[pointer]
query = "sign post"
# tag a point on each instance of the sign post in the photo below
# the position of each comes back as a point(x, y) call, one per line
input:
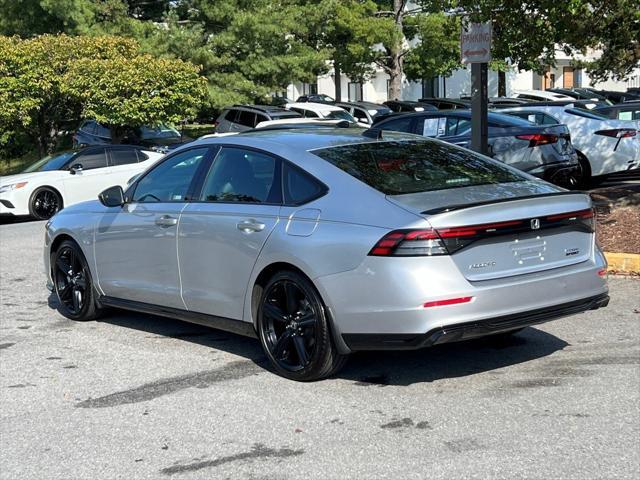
point(475, 48)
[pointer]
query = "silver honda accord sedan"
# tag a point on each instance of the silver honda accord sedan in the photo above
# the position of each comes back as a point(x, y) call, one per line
point(324, 241)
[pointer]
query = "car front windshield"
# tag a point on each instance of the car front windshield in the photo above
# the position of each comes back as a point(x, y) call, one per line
point(159, 131)
point(50, 162)
point(338, 115)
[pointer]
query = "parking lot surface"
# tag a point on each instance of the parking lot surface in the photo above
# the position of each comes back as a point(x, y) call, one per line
point(136, 396)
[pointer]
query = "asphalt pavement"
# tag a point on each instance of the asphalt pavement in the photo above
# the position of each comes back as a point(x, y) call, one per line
point(135, 396)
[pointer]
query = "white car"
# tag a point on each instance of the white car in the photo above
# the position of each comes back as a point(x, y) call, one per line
point(603, 145)
point(322, 111)
point(65, 178)
point(540, 95)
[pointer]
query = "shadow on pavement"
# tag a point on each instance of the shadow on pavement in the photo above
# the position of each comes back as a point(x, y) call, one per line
point(366, 368)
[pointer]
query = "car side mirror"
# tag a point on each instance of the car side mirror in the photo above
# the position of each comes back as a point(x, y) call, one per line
point(75, 168)
point(112, 197)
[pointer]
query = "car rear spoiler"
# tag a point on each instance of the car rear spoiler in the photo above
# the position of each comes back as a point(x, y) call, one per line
point(461, 206)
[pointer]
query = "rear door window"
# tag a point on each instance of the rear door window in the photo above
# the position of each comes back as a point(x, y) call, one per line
point(248, 119)
point(404, 124)
point(92, 159)
point(403, 167)
point(122, 156)
point(245, 176)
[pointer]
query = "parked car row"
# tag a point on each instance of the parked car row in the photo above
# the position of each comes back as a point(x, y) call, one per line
point(573, 138)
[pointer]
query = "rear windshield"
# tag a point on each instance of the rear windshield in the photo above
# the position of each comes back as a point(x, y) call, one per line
point(400, 167)
point(504, 120)
point(284, 114)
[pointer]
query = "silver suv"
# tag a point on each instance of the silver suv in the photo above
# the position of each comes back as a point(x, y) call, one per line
point(240, 118)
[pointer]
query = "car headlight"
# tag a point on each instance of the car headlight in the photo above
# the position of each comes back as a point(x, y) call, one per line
point(11, 186)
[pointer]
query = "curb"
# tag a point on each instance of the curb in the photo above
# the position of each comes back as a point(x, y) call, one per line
point(623, 262)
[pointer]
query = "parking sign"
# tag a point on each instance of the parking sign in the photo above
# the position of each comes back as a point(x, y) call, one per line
point(475, 43)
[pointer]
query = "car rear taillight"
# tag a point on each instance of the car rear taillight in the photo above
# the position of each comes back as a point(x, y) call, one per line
point(618, 132)
point(446, 241)
point(537, 139)
point(409, 243)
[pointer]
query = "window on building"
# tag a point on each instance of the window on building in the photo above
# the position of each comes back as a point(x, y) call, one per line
point(309, 88)
point(355, 91)
point(430, 87)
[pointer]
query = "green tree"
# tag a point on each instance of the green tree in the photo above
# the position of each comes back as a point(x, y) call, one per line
point(49, 82)
point(529, 32)
point(348, 31)
point(437, 48)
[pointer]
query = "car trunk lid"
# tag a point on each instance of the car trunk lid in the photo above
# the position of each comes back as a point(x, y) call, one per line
point(521, 232)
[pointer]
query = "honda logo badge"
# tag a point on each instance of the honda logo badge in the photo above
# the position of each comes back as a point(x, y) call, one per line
point(535, 223)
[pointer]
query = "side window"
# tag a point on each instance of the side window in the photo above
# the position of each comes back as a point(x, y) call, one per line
point(92, 159)
point(261, 118)
point(432, 126)
point(122, 156)
point(399, 125)
point(239, 175)
point(232, 115)
point(299, 187)
point(248, 119)
point(451, 127)
point(310, 114)
point(360, 115)
point(142, 156)
point(547, 120)
point(88, 127)
point(170, 180)
point(102, 131)
point(464, 127)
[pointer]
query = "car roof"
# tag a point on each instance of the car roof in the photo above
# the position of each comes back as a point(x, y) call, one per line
point(305, 138)
point(261, 108)
point(368, 105)
point(314, 107)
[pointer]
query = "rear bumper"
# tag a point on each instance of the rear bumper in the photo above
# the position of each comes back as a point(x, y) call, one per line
point(474, 329)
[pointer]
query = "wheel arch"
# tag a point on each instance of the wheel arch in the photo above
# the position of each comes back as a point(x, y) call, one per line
point(261, 280)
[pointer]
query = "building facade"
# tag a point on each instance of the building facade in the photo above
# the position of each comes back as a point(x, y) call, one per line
point(563, 75)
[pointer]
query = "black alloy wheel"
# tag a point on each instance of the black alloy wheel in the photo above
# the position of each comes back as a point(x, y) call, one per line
point(294, 330)
point(72, 283)
point(45, 203)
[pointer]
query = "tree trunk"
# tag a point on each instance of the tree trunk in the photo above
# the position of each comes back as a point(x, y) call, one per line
point(338, 80)
point(502, 84)
point(394, 61)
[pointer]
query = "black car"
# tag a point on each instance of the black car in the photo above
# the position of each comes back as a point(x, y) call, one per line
point(447, 103)
point(541, 150)
point(160, 137)
point(579, 93)
point(616, 97)
point(316, 98)
point(365, 112)
point(409, 106)
point(621, 111)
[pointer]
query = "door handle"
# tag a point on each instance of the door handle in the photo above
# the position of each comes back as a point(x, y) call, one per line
point(166, 221)
point(250, 225)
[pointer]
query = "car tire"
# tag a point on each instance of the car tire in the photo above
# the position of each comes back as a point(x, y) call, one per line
point(44, 203)
point(72, 283)
point(294, 329)
point(585, 175)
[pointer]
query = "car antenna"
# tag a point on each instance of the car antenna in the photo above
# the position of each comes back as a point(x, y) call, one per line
point(373, 133)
